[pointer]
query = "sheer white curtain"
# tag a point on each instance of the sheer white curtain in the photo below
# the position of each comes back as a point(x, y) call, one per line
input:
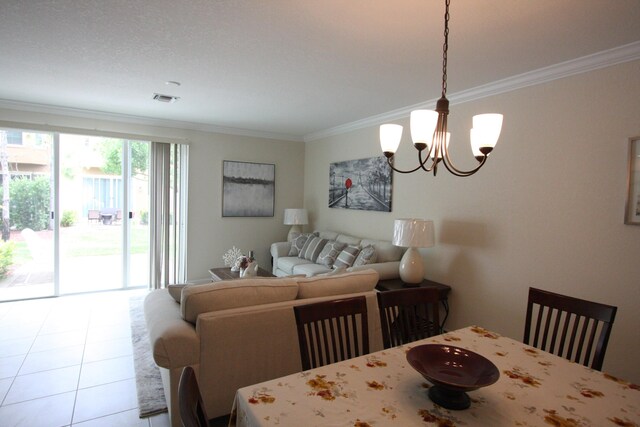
point(168, 215)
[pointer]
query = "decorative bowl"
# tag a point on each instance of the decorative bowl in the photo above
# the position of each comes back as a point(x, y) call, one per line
point(453, 371)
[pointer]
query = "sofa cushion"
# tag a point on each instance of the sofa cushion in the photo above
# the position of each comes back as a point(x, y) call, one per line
point(312, 248)
point(349, 240)
point(330, 252)
point(339, 284)
point(287, 264)
point(385, 250)
point(326, 234)
point(228, 294)
point(347, 256)
point(366, 256)
point(298, 243)
point(310, 269)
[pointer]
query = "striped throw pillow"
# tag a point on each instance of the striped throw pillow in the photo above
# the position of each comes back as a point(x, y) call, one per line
point(346, 257)
point(312, 248)
point(366, 256)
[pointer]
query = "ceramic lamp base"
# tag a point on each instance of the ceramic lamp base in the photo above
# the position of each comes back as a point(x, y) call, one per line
point(295, 229)
point(412, 267)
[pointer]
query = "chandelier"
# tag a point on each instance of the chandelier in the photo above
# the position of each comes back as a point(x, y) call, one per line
point(429, 130)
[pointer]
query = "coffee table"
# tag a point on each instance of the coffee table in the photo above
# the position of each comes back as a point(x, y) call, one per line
point(225, 273)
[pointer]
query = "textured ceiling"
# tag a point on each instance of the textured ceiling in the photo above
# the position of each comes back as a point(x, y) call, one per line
point(285, 67)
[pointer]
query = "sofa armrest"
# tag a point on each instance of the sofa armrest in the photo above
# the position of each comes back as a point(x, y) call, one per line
point(279, 249)
point(174, 341)
point(386, 270)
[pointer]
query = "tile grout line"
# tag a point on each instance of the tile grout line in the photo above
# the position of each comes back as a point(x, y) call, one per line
point(13, 380)
point(84, 349)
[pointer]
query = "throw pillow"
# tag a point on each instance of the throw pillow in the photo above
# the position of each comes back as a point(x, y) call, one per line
point(298, 243)
point(312, 248)
point(346, 257)
point(330, 252)
point(366, 256)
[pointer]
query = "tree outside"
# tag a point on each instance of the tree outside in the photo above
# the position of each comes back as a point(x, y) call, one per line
point(90, 178)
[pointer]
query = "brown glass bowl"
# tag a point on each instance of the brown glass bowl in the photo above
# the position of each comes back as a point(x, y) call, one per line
point(453, 371)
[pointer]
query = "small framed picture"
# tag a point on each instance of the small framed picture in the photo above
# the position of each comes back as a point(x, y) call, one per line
point(248, 189)
point(632, 212)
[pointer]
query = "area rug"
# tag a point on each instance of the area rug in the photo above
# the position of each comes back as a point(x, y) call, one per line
point(151, 399)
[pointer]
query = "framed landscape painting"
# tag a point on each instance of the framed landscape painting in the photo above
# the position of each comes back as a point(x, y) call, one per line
point(248, 189)
point(632, 209)
point(363, 184)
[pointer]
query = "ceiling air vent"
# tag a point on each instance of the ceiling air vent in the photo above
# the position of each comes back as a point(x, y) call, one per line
point(165, 98)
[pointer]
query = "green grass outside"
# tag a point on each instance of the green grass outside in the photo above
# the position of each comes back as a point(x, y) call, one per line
point(90, 241)
point(108, 241)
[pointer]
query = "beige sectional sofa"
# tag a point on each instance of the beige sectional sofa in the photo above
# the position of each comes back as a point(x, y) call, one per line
point(288, 262)
point(241, 332)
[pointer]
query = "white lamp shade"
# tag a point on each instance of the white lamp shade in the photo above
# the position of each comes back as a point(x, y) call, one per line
point(475, 143)
point(423, 124)
point(487, 128)
point(296, 217)
point(413, 233)
point(390, 135)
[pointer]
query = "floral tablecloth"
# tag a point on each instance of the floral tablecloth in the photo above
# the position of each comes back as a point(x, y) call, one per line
point(381, 389)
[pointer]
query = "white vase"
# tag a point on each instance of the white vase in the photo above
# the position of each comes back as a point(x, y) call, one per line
point(251, 270)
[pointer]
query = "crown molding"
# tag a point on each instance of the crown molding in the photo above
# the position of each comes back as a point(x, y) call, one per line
point(139, 120)
point(607, 58)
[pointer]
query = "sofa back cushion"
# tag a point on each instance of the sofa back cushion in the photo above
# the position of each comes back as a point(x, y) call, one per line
point(339, 284)
point(385, 251)
point(349, 240)
point(228, 294)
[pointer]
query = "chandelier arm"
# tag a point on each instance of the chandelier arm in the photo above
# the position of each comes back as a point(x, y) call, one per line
point(424, 162)
point(458, 172)
point(390, 163)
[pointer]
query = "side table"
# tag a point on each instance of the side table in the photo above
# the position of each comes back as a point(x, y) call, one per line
point(443, 291)
point(225, 273)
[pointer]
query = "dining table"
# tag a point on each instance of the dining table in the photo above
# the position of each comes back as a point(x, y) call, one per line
point(534, 388)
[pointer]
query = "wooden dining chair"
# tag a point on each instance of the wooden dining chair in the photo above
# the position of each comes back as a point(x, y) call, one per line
point(408, 315)
point(332, 331)
point(192, 412)
point(569, 327)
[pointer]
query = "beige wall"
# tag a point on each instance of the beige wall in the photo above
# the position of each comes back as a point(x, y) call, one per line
point(546, 210)
point(209, 234)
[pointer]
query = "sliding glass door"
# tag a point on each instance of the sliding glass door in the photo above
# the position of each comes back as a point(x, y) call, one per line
point(79, 214)
point(27, 245)
point(104, 185)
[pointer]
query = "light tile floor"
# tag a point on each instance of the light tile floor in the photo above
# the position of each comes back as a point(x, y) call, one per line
point(68, 361)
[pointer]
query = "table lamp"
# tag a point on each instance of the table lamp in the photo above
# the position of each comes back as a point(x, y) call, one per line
point(295, 218)
point(413, 233)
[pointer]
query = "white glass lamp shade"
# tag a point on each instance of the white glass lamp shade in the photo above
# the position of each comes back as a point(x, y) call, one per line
point(487, 128)
point(295, 218)
point(475, 144)
point(423, 124)
point(412, 233)
point(390, 135)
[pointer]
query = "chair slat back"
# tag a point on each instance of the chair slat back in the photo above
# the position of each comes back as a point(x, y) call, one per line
point(569, 327)
point(408, 315)
point(332, 331)
point(192, 412)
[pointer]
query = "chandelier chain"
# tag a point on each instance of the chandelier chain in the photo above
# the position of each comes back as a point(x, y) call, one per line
point(445, 48)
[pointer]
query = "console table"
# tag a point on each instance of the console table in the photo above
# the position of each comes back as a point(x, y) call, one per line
point(443, 291)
